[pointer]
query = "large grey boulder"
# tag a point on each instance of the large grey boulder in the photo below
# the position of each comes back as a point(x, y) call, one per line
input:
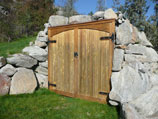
point(136, 58)
point(138, 49)
point(2, 61)
point(8, 70)
point(36, 52)
point(42, 70)
point(21, 60)
point(140, 37)
point(42, 80)
point(118, 59)
point(80, 19)
point(147, 104)
point(56, 20)
point(110, 14)
point(131, 112)
point(4, 84)
point(98, 15)
point(143, 39)
point(127, 85)
point(23, 81)
point(124, 33)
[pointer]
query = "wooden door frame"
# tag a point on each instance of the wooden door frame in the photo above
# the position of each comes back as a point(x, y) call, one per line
point(109, 27)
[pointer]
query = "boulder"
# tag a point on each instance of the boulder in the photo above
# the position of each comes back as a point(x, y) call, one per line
point(42, 39)
point(46, 48)
point(140, 37)
point(40, 44)
point(41, 34)
point(118, 59)
point(147, 104)
point(4, 84)
point(44, 64)
point(138, 49)
point(110, 14)
point(42, 80)
point(2, 61)
point(143, 39)
point(8, 70)
point(23, 81)
point(80, 19)
point(56, 20)
point(124, 33)
point(46, 25)
point(131, 112)
point(136, 58)
point(36, 52)
point(98, 15)
point(127, 85)
point(42, 70)
point(21, 60)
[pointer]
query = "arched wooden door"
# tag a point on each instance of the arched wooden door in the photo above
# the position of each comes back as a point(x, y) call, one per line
point(80, 59)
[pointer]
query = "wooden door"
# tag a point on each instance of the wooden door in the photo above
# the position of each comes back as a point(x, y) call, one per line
point(80, 63)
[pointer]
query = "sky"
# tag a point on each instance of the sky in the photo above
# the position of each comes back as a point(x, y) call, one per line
point(86, 6)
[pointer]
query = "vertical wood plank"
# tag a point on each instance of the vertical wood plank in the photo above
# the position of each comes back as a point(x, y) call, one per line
point(76, 61)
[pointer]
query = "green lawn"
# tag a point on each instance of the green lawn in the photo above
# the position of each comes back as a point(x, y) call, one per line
point(15, 46)
point(44, 104)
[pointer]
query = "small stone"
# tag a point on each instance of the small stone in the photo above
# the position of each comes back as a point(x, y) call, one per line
point(98, 15)
point(4, 84)
point(42, 70)
point(110, 14)
point(56, 20)
point(118, 59)
point(42, 80)
point(8, 70)
point(2, 61)
point(40, 44)
point(44, 64)
point(42, 39)
point(80, 19)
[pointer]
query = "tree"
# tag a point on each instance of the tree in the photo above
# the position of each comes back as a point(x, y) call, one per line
point(69, 8)
point(90, 13)
point(135, 10)
point(101, 5)
point(117, 6)
point(25, 17)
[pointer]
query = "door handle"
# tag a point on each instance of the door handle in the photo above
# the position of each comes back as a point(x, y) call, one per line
point(75, 54)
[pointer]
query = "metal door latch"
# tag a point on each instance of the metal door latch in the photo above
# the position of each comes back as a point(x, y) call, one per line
point(51, 84)
point(52, 41)
point(112, 37)
point(75, 54)
point(103, 93)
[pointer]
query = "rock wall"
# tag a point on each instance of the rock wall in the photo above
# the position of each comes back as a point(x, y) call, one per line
point(135, 69)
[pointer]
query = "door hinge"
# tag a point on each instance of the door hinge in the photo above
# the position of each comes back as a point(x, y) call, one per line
point(51, 84)
point(103, 93)
point(112, 37)
point(52, 41)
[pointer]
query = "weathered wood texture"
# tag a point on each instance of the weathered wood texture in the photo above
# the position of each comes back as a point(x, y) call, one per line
point(88, 73)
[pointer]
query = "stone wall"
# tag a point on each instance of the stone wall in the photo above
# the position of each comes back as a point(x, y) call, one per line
point(135, 70)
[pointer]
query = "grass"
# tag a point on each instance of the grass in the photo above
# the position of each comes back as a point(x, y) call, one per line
point(8, 48)
point(44, 104)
